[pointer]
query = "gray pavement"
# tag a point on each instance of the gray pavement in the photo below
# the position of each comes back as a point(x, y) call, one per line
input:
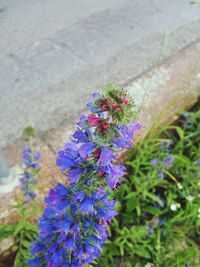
point(54, 53)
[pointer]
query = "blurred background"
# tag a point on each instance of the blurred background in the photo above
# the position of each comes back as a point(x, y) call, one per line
point(54, 53)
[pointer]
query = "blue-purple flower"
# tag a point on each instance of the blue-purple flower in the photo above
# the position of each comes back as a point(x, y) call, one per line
point(106, 156)
point(114, 172)
point(126, 135)
point(168, 162)
point(154, 162)
point(73, 227)
point(69, 157)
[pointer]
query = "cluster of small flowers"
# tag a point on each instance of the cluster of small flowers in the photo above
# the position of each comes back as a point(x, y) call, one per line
point(156, 223)
point(73, 226)
point(31, 167)
point(187, 120)
point(166, 162)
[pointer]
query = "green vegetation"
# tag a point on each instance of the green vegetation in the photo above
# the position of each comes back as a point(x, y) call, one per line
point(23, 233)
point(159, 202)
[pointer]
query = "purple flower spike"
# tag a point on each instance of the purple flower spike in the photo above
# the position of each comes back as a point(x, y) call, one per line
point(73, 228)
point(31, 167)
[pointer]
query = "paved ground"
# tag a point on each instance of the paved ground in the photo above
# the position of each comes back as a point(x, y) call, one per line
point(54, 53)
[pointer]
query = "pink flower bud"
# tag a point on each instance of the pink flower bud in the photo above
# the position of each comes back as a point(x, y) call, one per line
point(114, 105)
point(93, 120)
point(104, 107)
point(105, 125)
point(126, 100)
point(96, 153)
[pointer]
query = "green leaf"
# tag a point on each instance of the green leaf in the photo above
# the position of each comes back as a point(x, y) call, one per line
point(128, 218)
point(153, 197)
point(19, 227)
point(31, 227)
point(121, 248)
point(111, 248)
point(171, 176)
point(25, 244)
point(139, 264)
point(142, 252)
point(6, 230)
point(132, 201)
point(179, 131)
point(138, 232)
point(153, 210)
point(182, 158)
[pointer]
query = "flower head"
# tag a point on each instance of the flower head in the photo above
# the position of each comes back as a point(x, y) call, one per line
point(93, 120)
point(168, 162)
point(154, 162)
point(87, 206)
